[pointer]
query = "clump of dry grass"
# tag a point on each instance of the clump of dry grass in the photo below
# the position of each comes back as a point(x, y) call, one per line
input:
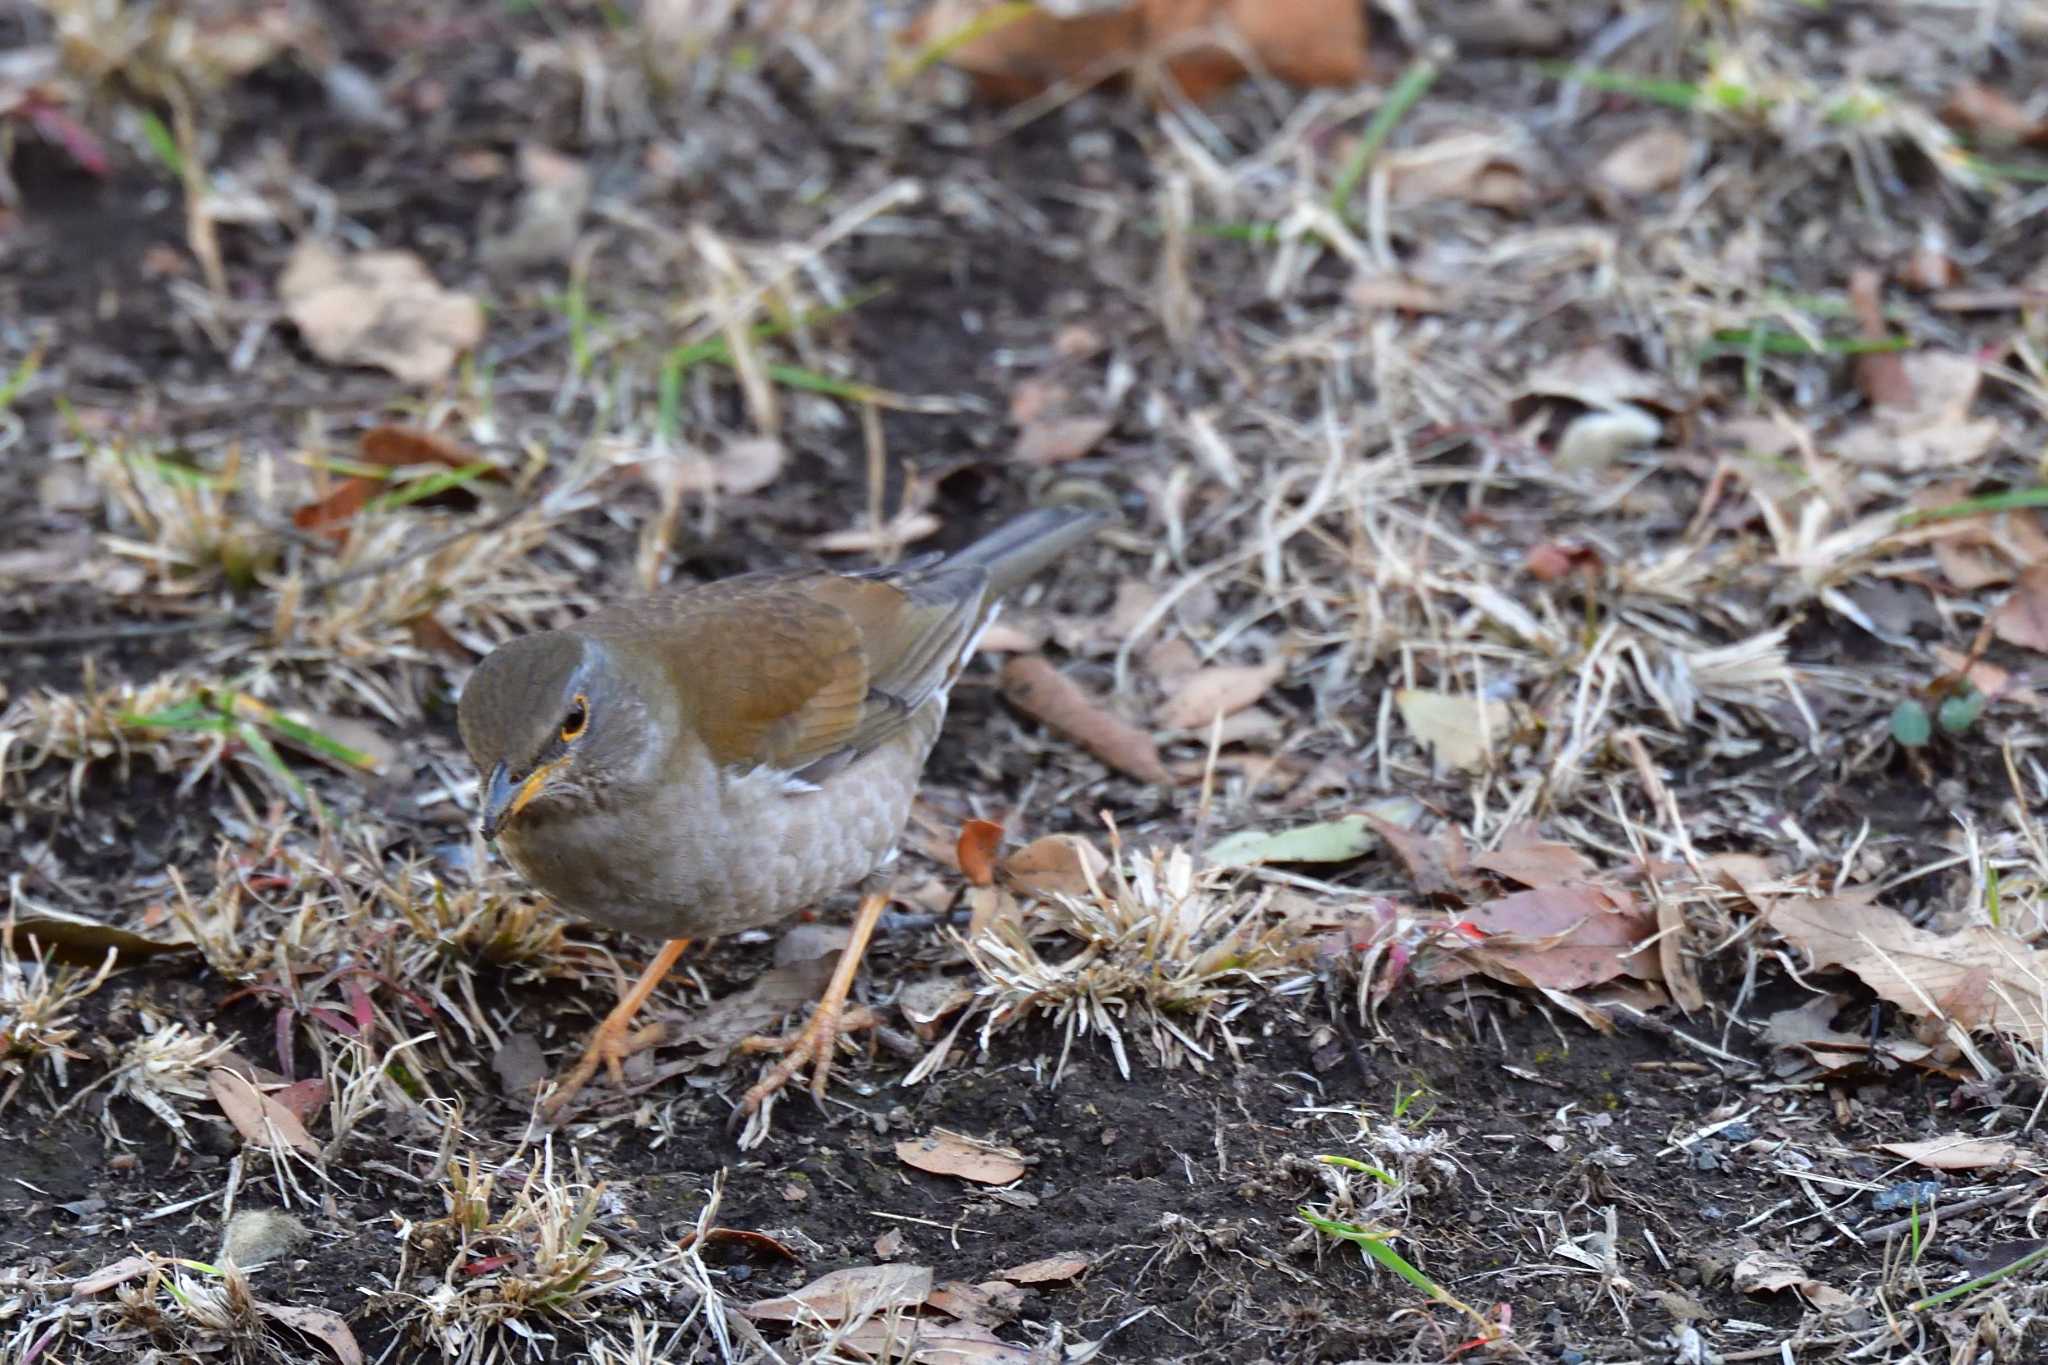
point(516, 1257)
point(1166, 948)
point(39, 1003)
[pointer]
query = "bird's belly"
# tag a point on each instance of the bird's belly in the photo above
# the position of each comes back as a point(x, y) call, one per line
point(699, 868)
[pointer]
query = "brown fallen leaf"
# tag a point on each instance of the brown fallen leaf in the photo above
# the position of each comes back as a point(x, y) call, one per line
point(976, 850)
point(1436, 867)
point(1764, 1272)
point(965, 1158)
point(1034, 686)
point(1219, 690)
point(1047, 1269)
point(1650, 162)
point(1960, 1152)
point(1568, 937)
point(1992, 116)
point(2022, 618)
point(1880, 374)
point(746, 1237)
point(106, 1277)
point(1988, 548)
point(1196, 46)
point(931, 1343)
point(988, 1304)
point(330, 1329)
point(378, 308)
point(1396, 293)
point(1460, 729)
point(1473, 166)
point(1055, 865)
point(387, 447)
point(1536, 862)
point(1982, 978)
point(719, 1027)
point(843, 1294)
point(1932, 429)
point(261, 1120)
point(550, 212)
point(1056, 440)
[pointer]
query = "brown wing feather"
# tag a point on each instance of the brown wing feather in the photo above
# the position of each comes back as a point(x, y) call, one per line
point(767, 674)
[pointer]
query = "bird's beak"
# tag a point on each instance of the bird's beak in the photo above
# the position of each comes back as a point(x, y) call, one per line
point(504, 799)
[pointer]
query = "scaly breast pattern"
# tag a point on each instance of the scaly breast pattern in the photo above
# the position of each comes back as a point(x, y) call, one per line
point(724, 853)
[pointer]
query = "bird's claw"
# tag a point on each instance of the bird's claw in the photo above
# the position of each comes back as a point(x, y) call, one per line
point(815, 1044)
point(610, 1045)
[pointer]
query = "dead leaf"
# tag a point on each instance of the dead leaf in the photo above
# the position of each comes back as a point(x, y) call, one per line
point(988, 1304)
point(1331, 841)
point(1396, 293)
point(719, 1027)
point(1554, 559)
point(749, 465)
point(1988, 548)
point(1219, 690)
point(1991, 116)
point(1565, 938)
point(946, 1153)
point(1652, 161)
point(1982, 978)
point(1047, 1270)
point(1536, 862)
point(843, 1294)
point(106, 1277)
point(1055, 865)
point(1958, 1153)
point(1056, 440)
point(78, 940)
point(1880, 374)
point(1436, 867)
point(2022, 618)
point(979, 842)
point(746, 1237)
point(931, 1343)
point(889, 1245)
point(1459, 728)
point(1597, 376)
point(1034, 686)
point(378, 308)
point(905, 528)
point(1763, 1272)
point(1472, 166)
point(261, 1120)
point(550, 212)
point(329, 1329)
point(1198, 43)
point(1933, 428)
point(387, 447)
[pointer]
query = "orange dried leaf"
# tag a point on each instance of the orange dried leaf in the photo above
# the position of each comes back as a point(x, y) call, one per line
point(964, 1158)
point(1219, 690)
point(1056, 865)
point(1034, 686)
point(976, 850)
point(261, 1120)
point(1047, 1270)
point(2022, 618)
point(841, 1294)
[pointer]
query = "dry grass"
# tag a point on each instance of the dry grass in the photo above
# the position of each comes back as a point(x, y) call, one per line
point(1374, 494)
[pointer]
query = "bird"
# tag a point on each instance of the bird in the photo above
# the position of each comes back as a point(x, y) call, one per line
point(721, 756)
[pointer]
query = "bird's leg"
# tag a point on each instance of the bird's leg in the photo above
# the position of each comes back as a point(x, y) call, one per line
point(615, 1039)
point(814, 1043)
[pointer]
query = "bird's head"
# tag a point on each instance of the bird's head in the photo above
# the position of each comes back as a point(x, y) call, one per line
point(551, 723)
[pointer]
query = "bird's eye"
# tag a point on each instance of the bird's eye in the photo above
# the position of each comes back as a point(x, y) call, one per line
point(577, 721)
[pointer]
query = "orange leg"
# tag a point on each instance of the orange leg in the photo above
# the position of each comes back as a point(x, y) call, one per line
point(816, 1041)
point(615, 1039)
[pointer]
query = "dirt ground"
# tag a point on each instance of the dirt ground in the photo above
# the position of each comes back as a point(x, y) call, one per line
point(803, 310)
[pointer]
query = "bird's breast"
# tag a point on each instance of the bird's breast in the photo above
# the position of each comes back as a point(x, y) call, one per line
point(715, 853)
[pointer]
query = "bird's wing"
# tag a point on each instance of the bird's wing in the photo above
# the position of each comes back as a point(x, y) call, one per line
point(799, 672)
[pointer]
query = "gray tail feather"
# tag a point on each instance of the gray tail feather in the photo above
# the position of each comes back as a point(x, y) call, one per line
point(1021, 547)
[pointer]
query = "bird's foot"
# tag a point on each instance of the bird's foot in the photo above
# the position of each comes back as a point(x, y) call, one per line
point(613, 1041)
point(815, 1045)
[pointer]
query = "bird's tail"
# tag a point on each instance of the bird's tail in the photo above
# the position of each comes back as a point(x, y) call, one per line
point(1021, 547)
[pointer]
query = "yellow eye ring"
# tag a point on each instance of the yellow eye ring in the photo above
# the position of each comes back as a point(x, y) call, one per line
point(577, 721)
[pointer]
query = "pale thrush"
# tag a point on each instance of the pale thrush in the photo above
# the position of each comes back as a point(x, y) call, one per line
point(719, 757)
